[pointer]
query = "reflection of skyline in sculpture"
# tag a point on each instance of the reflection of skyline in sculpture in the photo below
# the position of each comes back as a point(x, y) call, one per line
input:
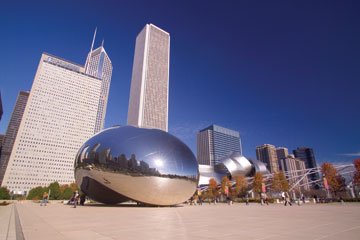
point(233, 165)
point(145, 165)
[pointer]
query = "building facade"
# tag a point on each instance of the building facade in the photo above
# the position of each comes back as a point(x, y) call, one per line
point(149, 91)
point(98, 64)
point(12, 130)
point(282, 152)
point(266, 153)
point(215, 143)
point(295, 170)
point(61, 113)
point(307, 155)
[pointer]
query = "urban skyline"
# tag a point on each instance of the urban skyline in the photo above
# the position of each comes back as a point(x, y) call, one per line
point(296, 59)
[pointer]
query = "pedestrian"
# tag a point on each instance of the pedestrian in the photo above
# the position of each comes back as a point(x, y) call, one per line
point(82, 199)
point(266, 199)
point(247, 198)
point(262, 198)
point(76, 198)
point(287, 199)
point(200, 197)
point(44, 199)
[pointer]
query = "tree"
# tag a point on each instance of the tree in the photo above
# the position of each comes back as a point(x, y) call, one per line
point(225, 184)
point(212, 190)
point(276, 183)
point(258, 180)
point(55, 192)
point(36, 193)
point(283, 181)
point(240, 185)
point(357, 172)
point(331, 175)
point(67, 193)
point(4, 193)
point(74, 187)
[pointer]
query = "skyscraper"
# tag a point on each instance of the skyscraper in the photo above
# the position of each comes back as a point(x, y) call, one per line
point(215, 143)
point(282, 152)
point(98, 64)
point(307, 155)
point(61, 113)
point(296, 170)
point(266, 153)
point(12, 131)
point(149, 92)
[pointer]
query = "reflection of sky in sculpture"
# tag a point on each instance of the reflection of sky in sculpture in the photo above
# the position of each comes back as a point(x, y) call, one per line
point(151, 151)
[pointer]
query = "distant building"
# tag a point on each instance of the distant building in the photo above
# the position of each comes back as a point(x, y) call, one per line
point(215, 143)
point(282, 152)
point(63, 110)
point(12, 131)
point(266, 153)
point(307, 155)
point(149, 92)
point(295, 169)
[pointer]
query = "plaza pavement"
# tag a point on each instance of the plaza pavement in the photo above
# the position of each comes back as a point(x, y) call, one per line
point(238, 221)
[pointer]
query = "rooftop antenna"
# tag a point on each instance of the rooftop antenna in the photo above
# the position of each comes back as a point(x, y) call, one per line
point(93, 41)
point(102, 43)
point(91, 49)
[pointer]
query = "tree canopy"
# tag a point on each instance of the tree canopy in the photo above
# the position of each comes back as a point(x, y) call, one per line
point(4, 193)
point(258, 180)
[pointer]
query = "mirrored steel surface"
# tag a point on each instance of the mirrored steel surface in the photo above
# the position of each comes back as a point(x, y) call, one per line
point(145, 165)
point(232, 166)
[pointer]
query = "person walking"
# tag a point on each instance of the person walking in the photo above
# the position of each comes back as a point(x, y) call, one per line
point(200, 197)
point(287, 199)
point(44, 199)
point(266, 200)
point(76, 198)
point(247, 198)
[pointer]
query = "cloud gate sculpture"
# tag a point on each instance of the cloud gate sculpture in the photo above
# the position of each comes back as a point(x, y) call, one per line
point(128, 163)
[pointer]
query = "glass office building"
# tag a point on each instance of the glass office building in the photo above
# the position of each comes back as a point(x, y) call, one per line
point(216, 142)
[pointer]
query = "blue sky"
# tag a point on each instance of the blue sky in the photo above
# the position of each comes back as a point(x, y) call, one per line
point(280, 72)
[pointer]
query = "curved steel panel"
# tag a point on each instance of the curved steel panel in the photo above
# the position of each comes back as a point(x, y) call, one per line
point(146, 165)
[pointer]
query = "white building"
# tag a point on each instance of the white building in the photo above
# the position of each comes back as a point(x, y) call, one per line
point(61, 113)
point(149, 93)
point(98, 64)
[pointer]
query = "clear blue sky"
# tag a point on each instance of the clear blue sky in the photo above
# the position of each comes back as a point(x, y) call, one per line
point(280, 72)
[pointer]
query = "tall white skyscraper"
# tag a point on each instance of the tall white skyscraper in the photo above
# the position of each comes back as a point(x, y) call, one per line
point(62, 112)
point(149, 93)
point(98, 64)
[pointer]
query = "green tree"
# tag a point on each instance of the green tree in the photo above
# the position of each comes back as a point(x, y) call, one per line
point(36, 193)
point(4, 193)
point(258, 180)
point(67, 193)
point(55, 192)
point(240, 185)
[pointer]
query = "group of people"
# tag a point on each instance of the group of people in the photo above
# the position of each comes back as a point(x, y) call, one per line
point(74, 200)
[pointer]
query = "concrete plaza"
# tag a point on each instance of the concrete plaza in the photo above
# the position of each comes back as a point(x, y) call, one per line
point(238, 221)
